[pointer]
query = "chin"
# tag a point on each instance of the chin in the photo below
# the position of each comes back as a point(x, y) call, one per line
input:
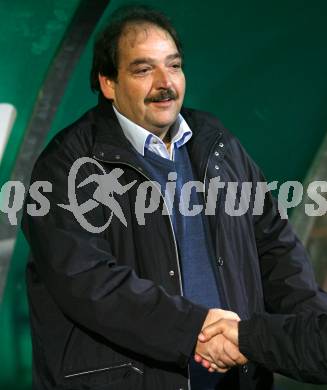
point(166, 120)
point(163, 125)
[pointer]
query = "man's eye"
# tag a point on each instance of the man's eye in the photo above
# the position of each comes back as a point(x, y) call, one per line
point(142, 71)
point(177, 66)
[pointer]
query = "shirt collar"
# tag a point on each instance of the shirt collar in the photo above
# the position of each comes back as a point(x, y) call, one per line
point(141, 138)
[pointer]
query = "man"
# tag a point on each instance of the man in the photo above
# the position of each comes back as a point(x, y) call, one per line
point(122, 306)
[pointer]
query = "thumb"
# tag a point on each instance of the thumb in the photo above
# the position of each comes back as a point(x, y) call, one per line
point(229, 315)
point(211, 330)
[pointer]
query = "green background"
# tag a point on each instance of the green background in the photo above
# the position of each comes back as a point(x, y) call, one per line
point(259, 66)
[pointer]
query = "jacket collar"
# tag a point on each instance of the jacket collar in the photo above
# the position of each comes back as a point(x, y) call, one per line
point(111, 145)
point(207, 130)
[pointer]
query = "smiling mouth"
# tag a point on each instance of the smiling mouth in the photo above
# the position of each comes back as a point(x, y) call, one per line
point(163, 101)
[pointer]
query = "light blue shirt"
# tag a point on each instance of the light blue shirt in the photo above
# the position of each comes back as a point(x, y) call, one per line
point(141, 138)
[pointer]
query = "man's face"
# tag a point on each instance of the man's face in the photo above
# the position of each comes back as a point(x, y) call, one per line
point(151, 84)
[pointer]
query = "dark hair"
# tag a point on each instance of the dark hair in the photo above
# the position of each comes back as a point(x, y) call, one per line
point(105, 52)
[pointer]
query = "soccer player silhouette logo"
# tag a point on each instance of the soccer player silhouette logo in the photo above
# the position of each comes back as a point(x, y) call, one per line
point(107, 186)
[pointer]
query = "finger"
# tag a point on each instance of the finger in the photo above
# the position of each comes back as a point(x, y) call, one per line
point(197, 358)
point(208, 362)
point(241, 360)
point(231, 350)
point(205, 363)
point(229, 315)
point(221, 364)
point(213, 368)
point(222, 371)
point(217, 352)
point(231, 331)
point(211, 330)
point(220, 367)
point(226, 361)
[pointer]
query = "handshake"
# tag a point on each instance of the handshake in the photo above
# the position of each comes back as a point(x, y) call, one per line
point(217, 344)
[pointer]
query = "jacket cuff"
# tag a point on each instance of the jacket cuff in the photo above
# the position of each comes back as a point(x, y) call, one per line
point(189, 332)
point(244, 329)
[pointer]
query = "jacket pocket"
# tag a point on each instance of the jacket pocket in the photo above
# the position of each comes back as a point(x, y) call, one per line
point(125, 375)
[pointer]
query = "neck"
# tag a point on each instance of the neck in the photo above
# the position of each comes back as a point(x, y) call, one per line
point(167, 139)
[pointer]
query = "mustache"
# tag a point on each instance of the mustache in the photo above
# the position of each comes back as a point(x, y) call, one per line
point(162, 95)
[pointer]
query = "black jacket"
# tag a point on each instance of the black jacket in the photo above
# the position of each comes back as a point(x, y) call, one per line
point(107, 310)
point(294, 345)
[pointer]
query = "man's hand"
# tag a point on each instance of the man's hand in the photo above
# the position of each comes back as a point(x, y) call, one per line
point(217, 346)
point(227, 327)
point(209, 352)
point(218, 354)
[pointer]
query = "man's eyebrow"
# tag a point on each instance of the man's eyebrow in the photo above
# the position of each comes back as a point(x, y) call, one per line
point(149, 60)
point(174, 56)
point(143, 60)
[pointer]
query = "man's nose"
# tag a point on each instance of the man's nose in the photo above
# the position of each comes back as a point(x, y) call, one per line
point(162, 79)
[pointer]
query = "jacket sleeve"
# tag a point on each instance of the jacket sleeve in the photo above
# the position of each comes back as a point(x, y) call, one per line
point(287, 276)
point(292, 345)
point(90, 288)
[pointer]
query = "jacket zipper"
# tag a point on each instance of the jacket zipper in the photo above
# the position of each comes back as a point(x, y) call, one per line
point(209, 154)
point(130, 364)
point(221, 279)
point(219, 275)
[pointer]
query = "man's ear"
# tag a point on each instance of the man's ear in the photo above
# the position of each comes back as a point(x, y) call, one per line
point(107, 87)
